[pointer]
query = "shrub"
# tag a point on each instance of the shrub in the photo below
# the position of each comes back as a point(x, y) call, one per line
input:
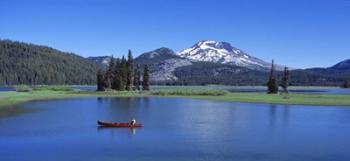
point(189, 92)
point(23, 88)
point(53, 88)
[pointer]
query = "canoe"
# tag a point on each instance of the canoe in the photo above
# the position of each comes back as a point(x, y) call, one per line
point(115, 124)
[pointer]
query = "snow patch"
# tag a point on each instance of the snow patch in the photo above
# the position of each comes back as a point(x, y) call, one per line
point(221, 52)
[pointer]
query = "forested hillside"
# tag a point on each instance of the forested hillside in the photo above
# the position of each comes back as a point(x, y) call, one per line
point(203, 73)
point(22, 63)
point(168, 68)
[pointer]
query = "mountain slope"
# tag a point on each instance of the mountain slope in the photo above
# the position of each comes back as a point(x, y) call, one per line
point(22, 63)
point(203, 73)
point(341, 66)
point(166, 67)
point(337, 73)
point(156, 56)
point(224, 53)
point(101, 61)
point(162, 63)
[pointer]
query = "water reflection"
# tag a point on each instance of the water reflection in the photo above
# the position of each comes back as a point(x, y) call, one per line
point(274, 116)
point(116, 134)
point(123, 109)
point(286, 115)
point(16, 111)
point(175, 129)
point(112, 130)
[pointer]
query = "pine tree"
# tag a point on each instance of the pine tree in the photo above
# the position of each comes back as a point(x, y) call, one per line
point(346, 84)
point(130, 70)
point(116, 78)
point(123, 72)
point(145, 79)
point(110, 72)
point(285, 80)
point(105, 81)
point(118, 83)
point(137, 78)
point(272, 86)
point(139, 82)
point(100, 84)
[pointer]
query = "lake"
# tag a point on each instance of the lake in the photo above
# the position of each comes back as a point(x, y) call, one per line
point(175, 129)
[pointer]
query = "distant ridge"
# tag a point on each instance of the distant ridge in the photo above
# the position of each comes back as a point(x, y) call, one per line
point(344, 65)
point(211, 62)
point(24, 63)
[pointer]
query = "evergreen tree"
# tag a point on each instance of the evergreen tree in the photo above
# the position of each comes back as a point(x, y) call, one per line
point(272, 86)
point(110, 72)
point(116, 78)
point(285, 80)
point(118, 82)
point(123, 72)
point(105, 81)
point(100, 83)
point(346, 84)
point(145, 79)
point(137, 78)
point(130, 70)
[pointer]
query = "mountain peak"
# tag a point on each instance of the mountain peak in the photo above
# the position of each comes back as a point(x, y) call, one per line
point(164, 50)
point(159, 53)
point(214, 44)
point(222, 52)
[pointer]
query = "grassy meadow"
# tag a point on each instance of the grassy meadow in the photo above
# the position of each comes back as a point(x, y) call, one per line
point(25, 94)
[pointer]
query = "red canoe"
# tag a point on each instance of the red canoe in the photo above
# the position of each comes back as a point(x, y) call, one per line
point(115, 124)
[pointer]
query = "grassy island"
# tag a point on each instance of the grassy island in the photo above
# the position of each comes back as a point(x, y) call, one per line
point(11, 98)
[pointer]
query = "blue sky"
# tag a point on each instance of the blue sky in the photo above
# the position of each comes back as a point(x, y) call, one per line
point(297, 33)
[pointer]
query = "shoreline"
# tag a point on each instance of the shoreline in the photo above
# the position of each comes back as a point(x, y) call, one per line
point(12, 98)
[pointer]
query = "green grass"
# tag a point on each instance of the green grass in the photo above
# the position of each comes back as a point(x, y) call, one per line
point(188, 92)
point(295, 99)
point(53, 88)
point(11, 98)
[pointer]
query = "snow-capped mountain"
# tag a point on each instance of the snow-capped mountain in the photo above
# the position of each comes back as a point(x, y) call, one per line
point(224, 53)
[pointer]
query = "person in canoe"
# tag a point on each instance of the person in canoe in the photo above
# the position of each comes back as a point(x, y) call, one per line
point(133, 122)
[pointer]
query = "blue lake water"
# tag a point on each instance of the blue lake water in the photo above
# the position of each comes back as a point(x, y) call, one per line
point(7, 89)
point(175, 129)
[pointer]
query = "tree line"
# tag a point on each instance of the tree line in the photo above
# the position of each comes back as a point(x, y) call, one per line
point(123, 74)
point(272, 84)
point(203, 73)
point(23, 63)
